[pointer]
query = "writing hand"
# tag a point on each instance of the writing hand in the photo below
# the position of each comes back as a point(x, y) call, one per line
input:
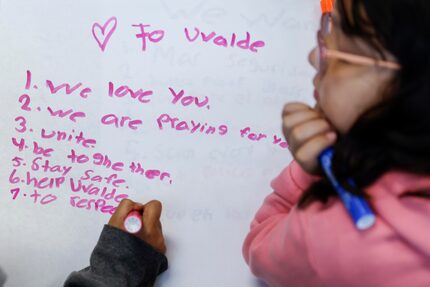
point(151, 231)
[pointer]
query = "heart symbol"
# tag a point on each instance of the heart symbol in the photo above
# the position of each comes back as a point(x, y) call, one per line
point(106, 33)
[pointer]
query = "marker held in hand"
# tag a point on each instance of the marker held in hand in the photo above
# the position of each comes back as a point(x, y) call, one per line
point(133, 222)
point(357, 206)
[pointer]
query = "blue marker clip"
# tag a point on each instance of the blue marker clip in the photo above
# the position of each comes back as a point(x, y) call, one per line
point(357, 206)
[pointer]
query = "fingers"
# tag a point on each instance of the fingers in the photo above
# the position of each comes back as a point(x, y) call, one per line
point(303, 132)
point(121, 212)
point(308, 133)
point(152, 212)
point(294, 119)
point(125, 207)
point(294, 107)
point(152, 231)
point(309, 151)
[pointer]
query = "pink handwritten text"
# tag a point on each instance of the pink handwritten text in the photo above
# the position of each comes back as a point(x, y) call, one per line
point(222, 41)
point(191, 126)
point(188, 100)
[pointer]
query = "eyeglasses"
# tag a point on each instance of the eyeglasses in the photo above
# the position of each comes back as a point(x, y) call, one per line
point(324, 53)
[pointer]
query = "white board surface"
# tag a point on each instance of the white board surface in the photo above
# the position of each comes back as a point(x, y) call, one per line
point(210, 176)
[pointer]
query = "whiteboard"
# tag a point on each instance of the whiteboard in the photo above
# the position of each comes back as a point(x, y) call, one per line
point(172, 100)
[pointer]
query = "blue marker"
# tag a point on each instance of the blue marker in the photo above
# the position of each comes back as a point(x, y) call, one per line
point(357, 206)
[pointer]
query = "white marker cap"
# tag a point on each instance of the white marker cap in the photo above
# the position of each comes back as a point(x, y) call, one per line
point(133, 222)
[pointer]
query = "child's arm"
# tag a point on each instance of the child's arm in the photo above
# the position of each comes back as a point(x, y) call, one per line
point(123, 259)
point(288, 187)
point(120, 259)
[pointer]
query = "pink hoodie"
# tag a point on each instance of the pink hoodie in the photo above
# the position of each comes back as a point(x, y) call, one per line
point(319, 245)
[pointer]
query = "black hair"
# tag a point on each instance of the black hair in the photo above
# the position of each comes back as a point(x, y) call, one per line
point(395, 134)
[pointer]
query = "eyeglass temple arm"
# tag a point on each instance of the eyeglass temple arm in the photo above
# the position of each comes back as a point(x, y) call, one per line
point(361, 60)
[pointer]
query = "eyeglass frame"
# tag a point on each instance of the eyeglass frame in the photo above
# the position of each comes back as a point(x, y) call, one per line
point(325, 53)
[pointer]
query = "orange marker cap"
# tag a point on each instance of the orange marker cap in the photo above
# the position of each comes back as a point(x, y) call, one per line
point(326, 6)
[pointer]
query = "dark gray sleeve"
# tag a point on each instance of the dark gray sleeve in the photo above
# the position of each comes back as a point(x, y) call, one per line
point(120, 259)
point(2, 277)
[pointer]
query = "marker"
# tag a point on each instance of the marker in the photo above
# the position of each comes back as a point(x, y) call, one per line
point(357, 206)
point(133, 222)
point(326, 6)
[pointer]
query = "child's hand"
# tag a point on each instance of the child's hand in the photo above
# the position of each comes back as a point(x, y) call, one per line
point(308, 133)
point(151, 231)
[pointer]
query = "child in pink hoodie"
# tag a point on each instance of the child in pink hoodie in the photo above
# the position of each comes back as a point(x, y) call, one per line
point(372, 91)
